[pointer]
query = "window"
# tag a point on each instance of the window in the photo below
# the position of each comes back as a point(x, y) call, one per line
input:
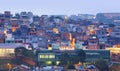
point(49, 56)
point(46, 56)
point(42, 56)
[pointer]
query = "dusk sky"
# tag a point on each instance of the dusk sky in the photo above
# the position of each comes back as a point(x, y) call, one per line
point(60, 6)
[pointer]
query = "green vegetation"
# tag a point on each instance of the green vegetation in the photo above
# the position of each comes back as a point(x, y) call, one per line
point(71, 67)
point(4, 62)
point(21, 52)
point(64, 59)
point(102, 65)
point(30, 54)
point(81, 55)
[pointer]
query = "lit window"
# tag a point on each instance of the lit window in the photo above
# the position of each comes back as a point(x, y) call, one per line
point(42, 56)
point(94, 37)
point(51, 56)
point(46, 56)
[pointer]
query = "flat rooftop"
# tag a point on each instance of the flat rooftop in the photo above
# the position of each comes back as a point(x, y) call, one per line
point(11, 45)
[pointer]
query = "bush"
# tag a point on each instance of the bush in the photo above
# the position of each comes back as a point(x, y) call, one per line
point(102, 65)
point(71, 67)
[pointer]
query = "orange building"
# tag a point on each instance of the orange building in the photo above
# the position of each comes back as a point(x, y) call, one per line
point(15, 26)
point(114, 53)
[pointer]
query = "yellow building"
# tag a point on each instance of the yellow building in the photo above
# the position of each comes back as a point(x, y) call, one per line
point(114, 53)
point(7, 50)
point(114, 50)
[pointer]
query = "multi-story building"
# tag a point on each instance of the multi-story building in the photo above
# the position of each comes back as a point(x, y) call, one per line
point(93, 42)
point(102, 37)
point(47, 57)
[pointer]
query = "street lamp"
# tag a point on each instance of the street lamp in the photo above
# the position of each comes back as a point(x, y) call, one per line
point(9, 66)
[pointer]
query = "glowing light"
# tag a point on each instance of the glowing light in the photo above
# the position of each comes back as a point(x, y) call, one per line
point(66, 48)
point(116, 46)
point(55, 30)
point(9, 66)
point(57, 62)
point(5, 32)
point(108, 34)
point(49, 56)
point(6, 52)
point(94, 37)
point(73, 43)
point(48, 62)
point(14, 29)
point(72, 40)
point(91, 32)
point(114, 50)
point(109, 31)
point(49, 48)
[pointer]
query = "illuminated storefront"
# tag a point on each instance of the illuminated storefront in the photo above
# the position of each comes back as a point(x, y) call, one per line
point(6, 52)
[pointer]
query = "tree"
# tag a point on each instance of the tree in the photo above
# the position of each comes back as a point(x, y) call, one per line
point(64, 58)
point(19, 53)
point(102, 65)
point(68, 59)
point(30, 54)
point(81, 55)
point(73, 59)
point(53, 63)
point(71, 67)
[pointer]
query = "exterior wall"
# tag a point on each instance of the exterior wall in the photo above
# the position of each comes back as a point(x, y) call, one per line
point(114, 54)
point(93, 42)
point(65, 35)
point(2, 40)
point(115, 34)
point(7, 49)
point(6, 52)
point(91, 55)
point(93, 47)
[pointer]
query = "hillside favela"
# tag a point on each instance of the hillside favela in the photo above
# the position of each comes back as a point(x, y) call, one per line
point(81, 42)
